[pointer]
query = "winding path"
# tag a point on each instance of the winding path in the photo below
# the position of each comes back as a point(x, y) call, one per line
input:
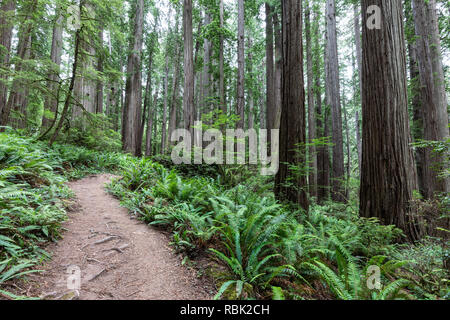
point(119, 257)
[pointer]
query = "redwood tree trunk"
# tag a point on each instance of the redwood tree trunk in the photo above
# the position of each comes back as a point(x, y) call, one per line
point(164, 117)
point(334, 97)
point(188, 99)
point(432, 94)
point(388, 171)
point(312, 182)
point(270, 80)
point(223, 106)
point(133, 95)
point(293, 122)
point(240, 110)
point(278, 69)
point(7, 11)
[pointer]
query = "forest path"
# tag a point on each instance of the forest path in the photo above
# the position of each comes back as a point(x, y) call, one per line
point(120, 258)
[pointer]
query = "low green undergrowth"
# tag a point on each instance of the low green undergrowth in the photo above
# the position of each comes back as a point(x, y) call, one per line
point(34, 197)
point(268, 250)
point(263, 249)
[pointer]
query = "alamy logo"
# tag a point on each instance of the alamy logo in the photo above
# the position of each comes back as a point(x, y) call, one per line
point(374, 19)
point(235, 143)
point(374, 278)
point(73, 278)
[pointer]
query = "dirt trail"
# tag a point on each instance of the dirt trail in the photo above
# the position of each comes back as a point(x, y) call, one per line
point(120, 258)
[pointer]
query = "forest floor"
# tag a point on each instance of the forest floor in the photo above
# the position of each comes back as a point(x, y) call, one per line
point(119, 257)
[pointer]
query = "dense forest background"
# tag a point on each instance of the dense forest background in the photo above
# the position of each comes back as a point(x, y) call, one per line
point(358, 93)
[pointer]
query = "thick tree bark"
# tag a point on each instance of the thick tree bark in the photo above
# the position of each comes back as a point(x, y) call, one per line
point(188, 99)
point(388, 176)
point(278, 69)
point(432, 94)
point(175, 89)
point(146, 113)
point(289, 185)
point(312, 182)
point(323, 157)
point(7, 11)
point(270, 69)
point(337, 172)
point(415, 90)
point(349, 154)
point(133, 95)
point(151, 113)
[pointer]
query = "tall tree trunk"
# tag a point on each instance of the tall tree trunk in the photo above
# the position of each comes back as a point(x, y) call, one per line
point(337, 172)
point(415, 90)
point(270, 68)
point(251, 100)
point(151, 113)
point(358, 89)
point(207, 49)
point(99, 91)
point(175, 89)
point(85, 90)
point(293, 122)
point(51, 102)
point(388, 176)
point(164, 118)
point(7, 11)
point(133, 96)
point(20, 96)
point(18, 87)
point(146, 113)
point(278, 69)
point(322, 150)
point(188, 99)
point(311, 110)
point(223, 106)
point(358, 140)
point(69, 96)
point(240, 110)
point(357, 35)
point(433, 95)
point(349, 155)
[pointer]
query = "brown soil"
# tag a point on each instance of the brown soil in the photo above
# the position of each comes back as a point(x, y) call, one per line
point(119, 257)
